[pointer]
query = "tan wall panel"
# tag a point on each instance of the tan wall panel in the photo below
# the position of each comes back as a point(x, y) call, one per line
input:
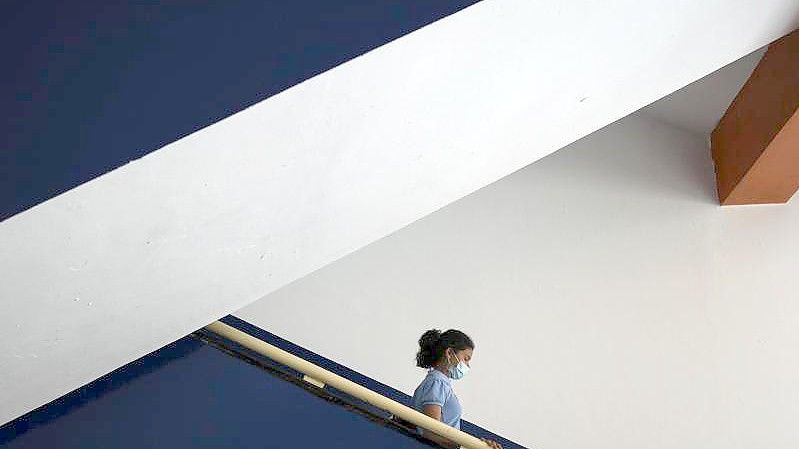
point(749, 141)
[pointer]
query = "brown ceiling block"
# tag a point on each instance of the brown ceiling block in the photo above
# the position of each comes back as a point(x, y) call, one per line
point(755, 146)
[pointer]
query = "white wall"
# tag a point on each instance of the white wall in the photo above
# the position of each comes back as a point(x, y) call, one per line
point(141, 256)
point(613, 303)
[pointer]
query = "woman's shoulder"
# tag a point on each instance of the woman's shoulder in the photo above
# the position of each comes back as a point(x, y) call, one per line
point(435, 377)
point(434, 389)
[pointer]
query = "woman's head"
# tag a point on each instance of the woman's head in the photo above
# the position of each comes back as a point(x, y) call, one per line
point(441, 350)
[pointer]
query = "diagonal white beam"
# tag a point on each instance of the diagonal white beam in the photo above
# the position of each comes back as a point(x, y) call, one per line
point(132, 260)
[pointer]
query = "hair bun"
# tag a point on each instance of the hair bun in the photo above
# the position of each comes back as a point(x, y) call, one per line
point(429, 347)
point(430, 337)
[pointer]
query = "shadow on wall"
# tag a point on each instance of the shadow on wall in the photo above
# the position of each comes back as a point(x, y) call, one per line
point(665, 164)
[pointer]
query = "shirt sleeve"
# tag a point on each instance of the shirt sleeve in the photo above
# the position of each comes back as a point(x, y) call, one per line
point(435, 393)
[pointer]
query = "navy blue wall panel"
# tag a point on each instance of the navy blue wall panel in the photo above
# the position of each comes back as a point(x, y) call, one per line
point(207, 399)
point(192, 395)
point(88, 86)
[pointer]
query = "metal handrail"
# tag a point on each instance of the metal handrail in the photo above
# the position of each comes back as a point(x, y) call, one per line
point(324, 376)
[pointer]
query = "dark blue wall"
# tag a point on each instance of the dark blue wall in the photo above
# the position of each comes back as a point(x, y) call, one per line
point(88, 86)
point(192, 395)
point(208, 399)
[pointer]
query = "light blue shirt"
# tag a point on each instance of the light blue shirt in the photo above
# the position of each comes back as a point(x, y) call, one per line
point(436, 389)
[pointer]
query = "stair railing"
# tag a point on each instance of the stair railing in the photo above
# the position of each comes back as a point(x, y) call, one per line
point(320, 377)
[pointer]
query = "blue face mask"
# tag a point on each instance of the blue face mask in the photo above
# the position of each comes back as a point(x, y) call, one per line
point(458, 370)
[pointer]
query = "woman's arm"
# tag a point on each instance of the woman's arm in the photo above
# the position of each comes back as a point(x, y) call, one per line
point(434, 411)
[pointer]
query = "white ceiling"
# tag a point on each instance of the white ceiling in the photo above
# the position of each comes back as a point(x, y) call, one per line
point(699, 106)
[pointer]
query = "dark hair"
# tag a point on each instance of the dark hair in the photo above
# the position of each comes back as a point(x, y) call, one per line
point(433, 343)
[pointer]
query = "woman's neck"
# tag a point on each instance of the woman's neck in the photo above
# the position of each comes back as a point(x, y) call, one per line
point(440, 368)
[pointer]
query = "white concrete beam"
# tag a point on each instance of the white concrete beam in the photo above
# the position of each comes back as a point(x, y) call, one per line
point(136, 258)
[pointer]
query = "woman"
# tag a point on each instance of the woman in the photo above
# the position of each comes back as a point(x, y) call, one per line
point(447, 356)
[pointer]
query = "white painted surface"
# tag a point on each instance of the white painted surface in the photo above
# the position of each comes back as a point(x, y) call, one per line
point(126, 263)
point(614, 305)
